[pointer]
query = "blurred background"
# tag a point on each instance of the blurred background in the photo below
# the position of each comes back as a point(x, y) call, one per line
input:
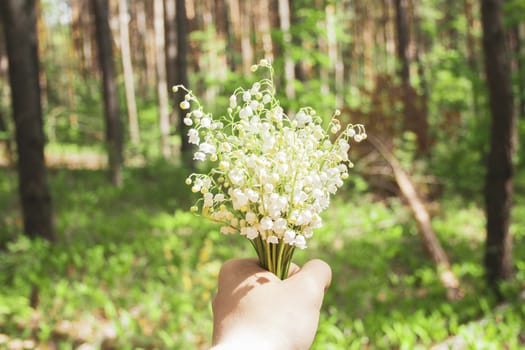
point(98, 249)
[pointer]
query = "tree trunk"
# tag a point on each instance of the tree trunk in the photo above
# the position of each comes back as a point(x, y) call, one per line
point(19, 19)
point(128, 72)
point(150, 44)
point(289, 71)
point(322, 46)
point(182, 78)
point(499, 180)
point(162, 87)
point(519, 70)
point(77, 35)
point(114, 139)
point(147, 71)
point(245, 11)
point(43, 38)
point(264, 28)
point(402, 40)
point(3, 60)
point(170, 34)
point(225, 30)
point(419, 48)
point(336, 61)
point(214, 68)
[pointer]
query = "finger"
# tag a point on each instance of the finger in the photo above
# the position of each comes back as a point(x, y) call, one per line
point(315, 274)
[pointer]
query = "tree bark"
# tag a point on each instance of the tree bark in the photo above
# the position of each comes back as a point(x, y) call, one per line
point(499, 179)
point(170, 35)
point(289, 71)
point(3, 59)
point(402, 40)
point(83, 35)
point(334, 52)
point(265, 28)
point(162, 87)
point(245, 11)
point(146, 62)
point(129, 82)
point(19, 18)
point(419, 45)
point(226, 29)
point(519, 58)
point(182, 78)
point(114, 138)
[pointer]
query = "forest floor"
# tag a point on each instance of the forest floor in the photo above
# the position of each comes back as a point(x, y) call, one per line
point(133, 269)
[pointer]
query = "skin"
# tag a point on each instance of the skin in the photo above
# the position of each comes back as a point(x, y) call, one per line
point(254, 309)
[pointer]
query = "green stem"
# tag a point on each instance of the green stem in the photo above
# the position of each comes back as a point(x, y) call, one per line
point(268, 254)
point(275, 258)
point(280, 260)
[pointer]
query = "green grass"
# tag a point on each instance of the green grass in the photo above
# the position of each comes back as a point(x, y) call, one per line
point(134, 269)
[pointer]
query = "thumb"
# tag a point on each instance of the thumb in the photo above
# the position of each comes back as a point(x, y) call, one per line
point(314, 276)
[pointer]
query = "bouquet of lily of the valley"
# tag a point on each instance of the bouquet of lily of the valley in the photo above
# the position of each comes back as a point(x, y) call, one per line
point(272, 174)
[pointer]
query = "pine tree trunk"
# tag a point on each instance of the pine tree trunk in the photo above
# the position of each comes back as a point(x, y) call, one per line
point(162, 87)
point(182, 77)
point(246, 45)
point(336, 64)
point(150, 45)
point(265, 28)
point(170, 34)
point(3, 60)
point(129, 82)
point(519, 58)
point(322, 46)
point(499, 179)
point(19, 19)
point(289, 71)
point(419, 48)
point(82, 34)
point(402, 40)
point(114, 138)
point(146, 73)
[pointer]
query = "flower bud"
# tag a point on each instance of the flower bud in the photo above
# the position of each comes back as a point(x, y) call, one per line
point(184, 105)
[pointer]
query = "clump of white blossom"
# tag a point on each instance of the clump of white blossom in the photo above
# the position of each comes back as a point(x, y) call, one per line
point(273, 174)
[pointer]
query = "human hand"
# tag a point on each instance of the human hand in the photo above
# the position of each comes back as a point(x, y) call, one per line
point(254, 309)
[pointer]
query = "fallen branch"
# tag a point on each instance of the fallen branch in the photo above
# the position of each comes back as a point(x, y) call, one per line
point(432, 244)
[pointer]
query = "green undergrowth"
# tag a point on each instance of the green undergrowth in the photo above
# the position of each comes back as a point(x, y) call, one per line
point(133, 269)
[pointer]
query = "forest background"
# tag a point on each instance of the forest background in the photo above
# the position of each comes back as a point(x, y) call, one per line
point(118, 262)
